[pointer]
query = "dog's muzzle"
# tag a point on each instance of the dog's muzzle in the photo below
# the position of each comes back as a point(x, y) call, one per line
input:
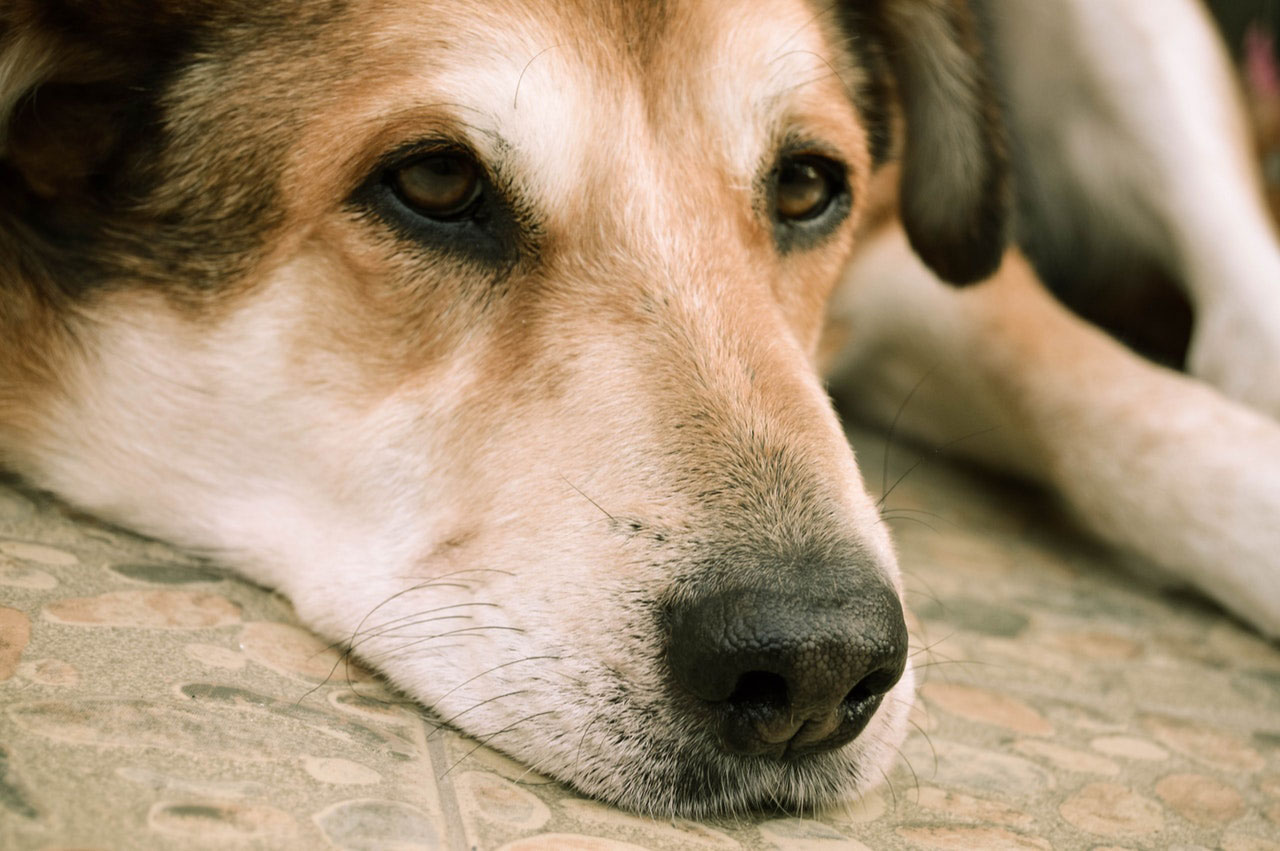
point(787, 673)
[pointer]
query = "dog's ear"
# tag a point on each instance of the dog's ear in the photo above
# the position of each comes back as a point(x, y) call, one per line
point(75, 78)
point(954, 196)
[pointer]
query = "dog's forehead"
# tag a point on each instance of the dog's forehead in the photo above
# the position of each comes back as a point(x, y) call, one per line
point(566, 84)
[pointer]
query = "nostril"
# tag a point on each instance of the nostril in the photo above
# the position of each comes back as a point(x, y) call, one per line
point(759, 688)
point(758, 713)
point(858, 694)
point(873, 685)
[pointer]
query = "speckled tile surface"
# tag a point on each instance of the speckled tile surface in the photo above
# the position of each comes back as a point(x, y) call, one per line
point(148, 701)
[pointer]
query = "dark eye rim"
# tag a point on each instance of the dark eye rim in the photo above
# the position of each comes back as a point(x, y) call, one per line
point(832, 171)
point(826, 170)
point(494, 232)
point(795, 235)
point(463, 211)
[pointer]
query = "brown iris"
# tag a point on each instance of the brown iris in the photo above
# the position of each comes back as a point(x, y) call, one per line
point(439, 186)
point(804, 189)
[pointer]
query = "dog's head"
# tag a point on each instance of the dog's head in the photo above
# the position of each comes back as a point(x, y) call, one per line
point(484, 330)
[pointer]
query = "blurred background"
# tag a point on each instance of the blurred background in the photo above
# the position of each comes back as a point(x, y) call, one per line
point(1250, 28)
point(1139, 303)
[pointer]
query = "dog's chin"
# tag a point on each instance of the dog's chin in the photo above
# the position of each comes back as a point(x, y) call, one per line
point(663, 771)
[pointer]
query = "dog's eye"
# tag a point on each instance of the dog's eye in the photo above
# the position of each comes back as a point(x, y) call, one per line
point(440, 199)
point(439, 186)
point(805, 187)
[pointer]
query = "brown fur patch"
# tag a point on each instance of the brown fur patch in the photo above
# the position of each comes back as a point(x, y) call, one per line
point(237, 335)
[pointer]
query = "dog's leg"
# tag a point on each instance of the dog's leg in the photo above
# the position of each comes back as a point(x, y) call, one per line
point(1133, 139)
point(1151, 460)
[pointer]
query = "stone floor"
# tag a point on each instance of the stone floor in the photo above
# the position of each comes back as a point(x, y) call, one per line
point(148, 701)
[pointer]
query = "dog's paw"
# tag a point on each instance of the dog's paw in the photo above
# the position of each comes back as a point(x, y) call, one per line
point(1237, 350)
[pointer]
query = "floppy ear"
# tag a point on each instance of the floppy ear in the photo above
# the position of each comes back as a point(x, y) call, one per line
point(76, 81)
point(954, 196)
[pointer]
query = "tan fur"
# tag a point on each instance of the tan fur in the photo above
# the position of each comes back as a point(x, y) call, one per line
point(346, 414)
point(614, 409)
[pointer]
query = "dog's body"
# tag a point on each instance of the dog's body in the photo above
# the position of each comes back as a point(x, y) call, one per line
point(487, 333)
point(1133, 154)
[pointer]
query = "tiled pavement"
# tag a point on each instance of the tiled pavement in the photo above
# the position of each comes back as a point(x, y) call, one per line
point(147, 701)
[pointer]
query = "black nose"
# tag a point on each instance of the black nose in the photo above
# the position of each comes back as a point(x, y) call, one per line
point(789, 673)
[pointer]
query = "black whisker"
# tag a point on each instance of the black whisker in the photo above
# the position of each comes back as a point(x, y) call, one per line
point(449, 721)
point(931, 455)
point(488, 738)
point(349, 651)
point(887, 518)
point(415, 619)
point(466, 630)
point(914, 777)
point(893, 428)
point(927, 648)
point(583, 738)
point(892, 792)
point(491, 670)
point(935, 515)
point(515, 98)
point(589, 499)
point(826, 10)
point(929, 740)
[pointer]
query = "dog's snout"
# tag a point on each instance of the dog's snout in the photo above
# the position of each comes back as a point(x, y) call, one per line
point(785, 673)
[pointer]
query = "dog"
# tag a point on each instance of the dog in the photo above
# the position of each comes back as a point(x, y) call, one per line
point(490, 334)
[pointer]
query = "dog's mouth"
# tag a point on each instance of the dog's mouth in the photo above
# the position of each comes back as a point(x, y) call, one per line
point(716, 704)
point(655, 762)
